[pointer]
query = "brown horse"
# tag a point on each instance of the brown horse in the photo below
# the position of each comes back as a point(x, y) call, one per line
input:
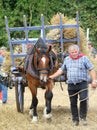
point(42, 64)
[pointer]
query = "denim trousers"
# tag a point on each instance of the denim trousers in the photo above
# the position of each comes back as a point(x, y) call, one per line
point(4, 90)
point(80, 90)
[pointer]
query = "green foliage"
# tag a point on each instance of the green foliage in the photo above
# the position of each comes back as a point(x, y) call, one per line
point(15, 9)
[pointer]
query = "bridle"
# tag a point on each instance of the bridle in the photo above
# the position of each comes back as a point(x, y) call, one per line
point(38, 69)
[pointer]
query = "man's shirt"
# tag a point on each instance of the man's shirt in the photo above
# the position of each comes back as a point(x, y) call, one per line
point(77, 70)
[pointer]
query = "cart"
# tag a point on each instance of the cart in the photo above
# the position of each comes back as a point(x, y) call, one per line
point(19, 81)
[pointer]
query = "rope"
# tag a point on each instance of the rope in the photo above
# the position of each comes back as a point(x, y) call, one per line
point(82, 91)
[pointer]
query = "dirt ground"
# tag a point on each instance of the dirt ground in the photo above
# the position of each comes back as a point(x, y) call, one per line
point(10, 119)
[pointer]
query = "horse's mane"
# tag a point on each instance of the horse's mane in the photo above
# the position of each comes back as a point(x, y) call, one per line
point(39, 44)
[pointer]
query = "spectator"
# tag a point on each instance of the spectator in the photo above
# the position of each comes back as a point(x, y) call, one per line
point(93, 51)
point(77, 67)
point(1, 60)
point(3, 81)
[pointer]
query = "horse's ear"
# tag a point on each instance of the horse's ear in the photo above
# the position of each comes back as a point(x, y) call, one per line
point(37, 50)
point(49, 48)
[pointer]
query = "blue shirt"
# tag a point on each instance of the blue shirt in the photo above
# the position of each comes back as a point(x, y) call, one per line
point(77, 70)
point(1, 60)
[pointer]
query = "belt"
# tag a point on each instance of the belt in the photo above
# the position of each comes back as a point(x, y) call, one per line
point(78, 83)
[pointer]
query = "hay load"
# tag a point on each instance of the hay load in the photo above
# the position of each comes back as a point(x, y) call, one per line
point(68, 33)
point(54, 34)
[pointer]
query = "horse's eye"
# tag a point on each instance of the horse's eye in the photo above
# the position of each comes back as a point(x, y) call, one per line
point(37, 62)
point(49, 63)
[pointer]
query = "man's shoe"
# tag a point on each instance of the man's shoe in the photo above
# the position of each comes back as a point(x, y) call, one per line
point(75, 123)
point(4, 102)
point(84, 121)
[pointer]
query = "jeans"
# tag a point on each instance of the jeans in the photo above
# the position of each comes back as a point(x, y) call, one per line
point(4, 89)
point(4, 93)
point(81, 91)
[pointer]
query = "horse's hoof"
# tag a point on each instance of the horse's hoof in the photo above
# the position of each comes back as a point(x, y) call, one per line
point(35, 119)
point(48, 116)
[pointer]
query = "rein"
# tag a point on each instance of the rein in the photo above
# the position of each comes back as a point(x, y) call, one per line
point(40, 69)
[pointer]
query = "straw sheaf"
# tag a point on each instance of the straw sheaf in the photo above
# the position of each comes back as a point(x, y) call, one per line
point(18, 49)
point(7, 64)
point(53, 34)
point(82, 42)
point(56, 19)
point(69, 33)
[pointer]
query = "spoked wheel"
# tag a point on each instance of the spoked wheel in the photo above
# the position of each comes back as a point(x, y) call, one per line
point(19, 92)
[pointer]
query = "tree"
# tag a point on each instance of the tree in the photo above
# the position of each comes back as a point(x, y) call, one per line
point(15, 9)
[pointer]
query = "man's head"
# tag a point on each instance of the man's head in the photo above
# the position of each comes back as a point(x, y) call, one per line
point(90, 45)
point(73, 50)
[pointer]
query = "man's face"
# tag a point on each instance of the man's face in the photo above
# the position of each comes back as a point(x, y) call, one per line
point(3, 52)
point(74, 53)
point(89, 46)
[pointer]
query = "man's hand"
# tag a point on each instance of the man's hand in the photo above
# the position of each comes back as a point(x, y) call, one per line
point(94, 84)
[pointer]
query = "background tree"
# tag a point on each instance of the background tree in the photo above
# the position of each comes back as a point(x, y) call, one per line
point(15, 9)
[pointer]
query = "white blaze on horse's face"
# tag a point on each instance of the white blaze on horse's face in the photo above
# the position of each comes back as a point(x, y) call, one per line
point(44, 73)
point(43, 60)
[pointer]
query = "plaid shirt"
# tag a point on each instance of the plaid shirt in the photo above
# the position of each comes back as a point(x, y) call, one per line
point(77, 70)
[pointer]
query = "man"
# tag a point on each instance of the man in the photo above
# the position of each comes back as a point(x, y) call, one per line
point(1, 61)
point(3, 85)
point(77, 67)
point(93, 51)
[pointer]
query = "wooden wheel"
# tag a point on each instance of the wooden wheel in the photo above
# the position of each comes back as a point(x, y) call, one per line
point(19, 93)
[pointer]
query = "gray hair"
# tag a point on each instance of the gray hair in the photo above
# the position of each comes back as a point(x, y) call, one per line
point(3, 47)
point(73, 47)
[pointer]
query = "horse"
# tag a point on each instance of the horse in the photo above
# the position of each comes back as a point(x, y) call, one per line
point(42, 63)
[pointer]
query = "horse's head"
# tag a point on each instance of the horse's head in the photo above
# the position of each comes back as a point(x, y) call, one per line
point(42, 63)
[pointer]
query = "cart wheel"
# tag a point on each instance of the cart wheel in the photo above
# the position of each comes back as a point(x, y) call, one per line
point(19, 92)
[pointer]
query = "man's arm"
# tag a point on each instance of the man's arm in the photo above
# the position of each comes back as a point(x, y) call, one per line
point(57, 74)
point(94, 80)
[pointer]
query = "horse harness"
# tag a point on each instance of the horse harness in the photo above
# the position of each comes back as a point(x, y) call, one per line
point(29, 63)
point(51, 62)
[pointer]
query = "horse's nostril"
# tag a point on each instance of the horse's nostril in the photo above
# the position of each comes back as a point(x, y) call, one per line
point(41, 81)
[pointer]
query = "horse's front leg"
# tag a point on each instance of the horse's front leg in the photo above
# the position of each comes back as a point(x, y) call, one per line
point(47, 110)
point(33, 107)
point(48, 100)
